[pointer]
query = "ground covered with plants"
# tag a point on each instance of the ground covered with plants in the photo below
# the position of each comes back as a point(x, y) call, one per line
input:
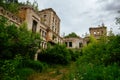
point(100, 60)
point(17, 50)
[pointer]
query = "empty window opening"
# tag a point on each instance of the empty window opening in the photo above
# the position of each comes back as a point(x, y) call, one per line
point(66, 44)
point(70, 44)
point(45, 16)
point(80, 45)
point(34, 26)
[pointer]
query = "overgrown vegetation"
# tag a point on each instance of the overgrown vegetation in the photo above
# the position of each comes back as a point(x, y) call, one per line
point(15, 40)
point(118, 20)
point(14, 5)
point(100, 60)
point(10, 5)
point(17, 49)
point(72, 35)
point(58, 54)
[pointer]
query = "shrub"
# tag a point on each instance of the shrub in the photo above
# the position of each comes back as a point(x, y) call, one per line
point(24, 73)
point(58, 54)
point(74, 54)
point(7, 70)
point(35, 65)
point(113, 48)
point(93, 72)
point(16, 40)
point(100, 60)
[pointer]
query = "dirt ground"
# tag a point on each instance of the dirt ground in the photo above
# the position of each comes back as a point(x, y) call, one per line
point(56, 73)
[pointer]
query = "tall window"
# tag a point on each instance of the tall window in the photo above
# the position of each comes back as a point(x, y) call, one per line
point(53, 28)
point(34, 26)
point(42, 33)
point(80, 45)
point(45, 16)
point(53, 19)
point(66, 44)
point(70, 44)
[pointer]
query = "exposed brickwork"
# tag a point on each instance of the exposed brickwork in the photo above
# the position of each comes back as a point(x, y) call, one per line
point(49, 28)
point(73, 42)
point(99, 31)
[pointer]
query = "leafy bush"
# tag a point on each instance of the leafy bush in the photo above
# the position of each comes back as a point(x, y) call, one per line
point(100, 60)
point(105, 51)
point(19, 68)
point(72, 35)
point(7, 70)
point(93, 72)
point(113, 48)
point(95, 52)
point(58, 54)
point(74, 54)
point(16, 40)
point(24, 73)
point(35, 65)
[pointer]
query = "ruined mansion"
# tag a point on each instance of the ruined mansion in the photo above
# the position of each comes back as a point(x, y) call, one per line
point(47, 23)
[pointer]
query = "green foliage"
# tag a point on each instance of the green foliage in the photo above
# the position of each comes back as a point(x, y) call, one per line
point(74, 54)
point(19, 68)
point(10, 6)
point(100, 60)
point(118, 19)
point(35, 65)
point(8, 69)
point(105, 51)
point(34, 5)
point(72, 35)
point(58, 54)
point(94, 52)
point(93, 72)
point(17, 40)
point(21, 42)
point(113, 48)
point(13, 5)
point(24, 73)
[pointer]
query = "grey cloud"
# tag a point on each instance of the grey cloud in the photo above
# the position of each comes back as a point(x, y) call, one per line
point(109, 5)
point(113, 6)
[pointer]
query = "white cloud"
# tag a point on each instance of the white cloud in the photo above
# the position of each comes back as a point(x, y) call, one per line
point(78, 15)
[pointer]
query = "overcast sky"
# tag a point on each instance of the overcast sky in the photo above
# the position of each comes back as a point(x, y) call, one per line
point(78, 15)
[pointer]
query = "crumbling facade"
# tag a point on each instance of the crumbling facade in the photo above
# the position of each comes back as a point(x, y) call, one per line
point(99, 31)
point(46, 22)
point(11, 17)
point(49, 18)
point(73, 42)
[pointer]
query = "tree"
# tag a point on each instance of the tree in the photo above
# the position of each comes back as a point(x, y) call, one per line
point(72, 35)
point(35, 5)
point(57, 54)
point(10, 5)
point(11, 1)
point(118, 19)
point(15, 40)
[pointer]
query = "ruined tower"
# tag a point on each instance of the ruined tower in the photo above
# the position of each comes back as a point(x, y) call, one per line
point(99, 31)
